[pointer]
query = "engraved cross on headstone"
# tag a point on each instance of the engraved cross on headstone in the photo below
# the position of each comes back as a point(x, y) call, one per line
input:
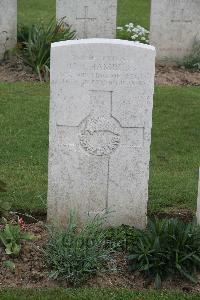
point(181, 19)
point(86, 19)
point(99, 135)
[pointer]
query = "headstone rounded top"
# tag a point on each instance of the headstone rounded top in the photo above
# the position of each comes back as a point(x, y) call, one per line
point(103, 41)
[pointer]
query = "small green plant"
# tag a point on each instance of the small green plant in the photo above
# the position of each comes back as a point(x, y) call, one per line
point(135, 33)
point(77, 254)
point(11, 236)
point(167, 248)
point(192, 61)
point(35, 43)
point(8, 264)
point(121, 238)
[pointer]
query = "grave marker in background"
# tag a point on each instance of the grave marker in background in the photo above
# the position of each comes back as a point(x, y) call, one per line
point(8, 25)
point(175, 24)
point(90, 18)
point(100, 129)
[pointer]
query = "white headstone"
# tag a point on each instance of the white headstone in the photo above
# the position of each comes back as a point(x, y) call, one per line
point(8, 25)
point(175, 24)
point(90, 18)
point(100, 129)
point(198, 202)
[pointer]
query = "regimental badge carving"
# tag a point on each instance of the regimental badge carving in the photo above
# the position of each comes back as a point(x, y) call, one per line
point(100, 135)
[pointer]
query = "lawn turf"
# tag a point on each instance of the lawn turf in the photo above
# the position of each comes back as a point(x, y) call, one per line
point(175, 155)
point(91, 294)
point(175, 151)
point(24, 144)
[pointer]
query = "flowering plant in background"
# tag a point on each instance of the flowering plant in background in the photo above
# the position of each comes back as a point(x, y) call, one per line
point(134, 33)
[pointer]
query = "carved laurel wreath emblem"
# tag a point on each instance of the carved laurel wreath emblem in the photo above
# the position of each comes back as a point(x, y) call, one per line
point(99, 136)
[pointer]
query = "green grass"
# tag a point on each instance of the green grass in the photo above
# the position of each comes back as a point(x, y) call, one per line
point(175, 155)
point(24, 144)
point(91, 294)
point(136, 11)
point(31, 11)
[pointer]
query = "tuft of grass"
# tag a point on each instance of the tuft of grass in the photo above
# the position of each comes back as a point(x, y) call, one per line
point(75, 254)
point(192, 61)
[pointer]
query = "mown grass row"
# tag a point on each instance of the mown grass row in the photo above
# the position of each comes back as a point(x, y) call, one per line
point(90, 294)
point(175, 155)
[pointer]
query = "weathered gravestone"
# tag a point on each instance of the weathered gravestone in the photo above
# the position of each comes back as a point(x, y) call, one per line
point(90, 18)
point(175, 24)
point(100, 129)
point(8, 25)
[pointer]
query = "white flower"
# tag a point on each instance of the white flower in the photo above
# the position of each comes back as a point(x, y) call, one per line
point(130, 25)
point(135, 32)
point(135, 36)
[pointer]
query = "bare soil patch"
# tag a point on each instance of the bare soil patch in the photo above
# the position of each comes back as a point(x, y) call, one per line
point(31, 272)
point(185, 215)
point(14, 70)
point(168, 75)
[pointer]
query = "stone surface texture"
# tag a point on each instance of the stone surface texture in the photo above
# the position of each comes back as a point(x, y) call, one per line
point(175, 24)
point(90, 18)
point(100, 130)
point(8, 25)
